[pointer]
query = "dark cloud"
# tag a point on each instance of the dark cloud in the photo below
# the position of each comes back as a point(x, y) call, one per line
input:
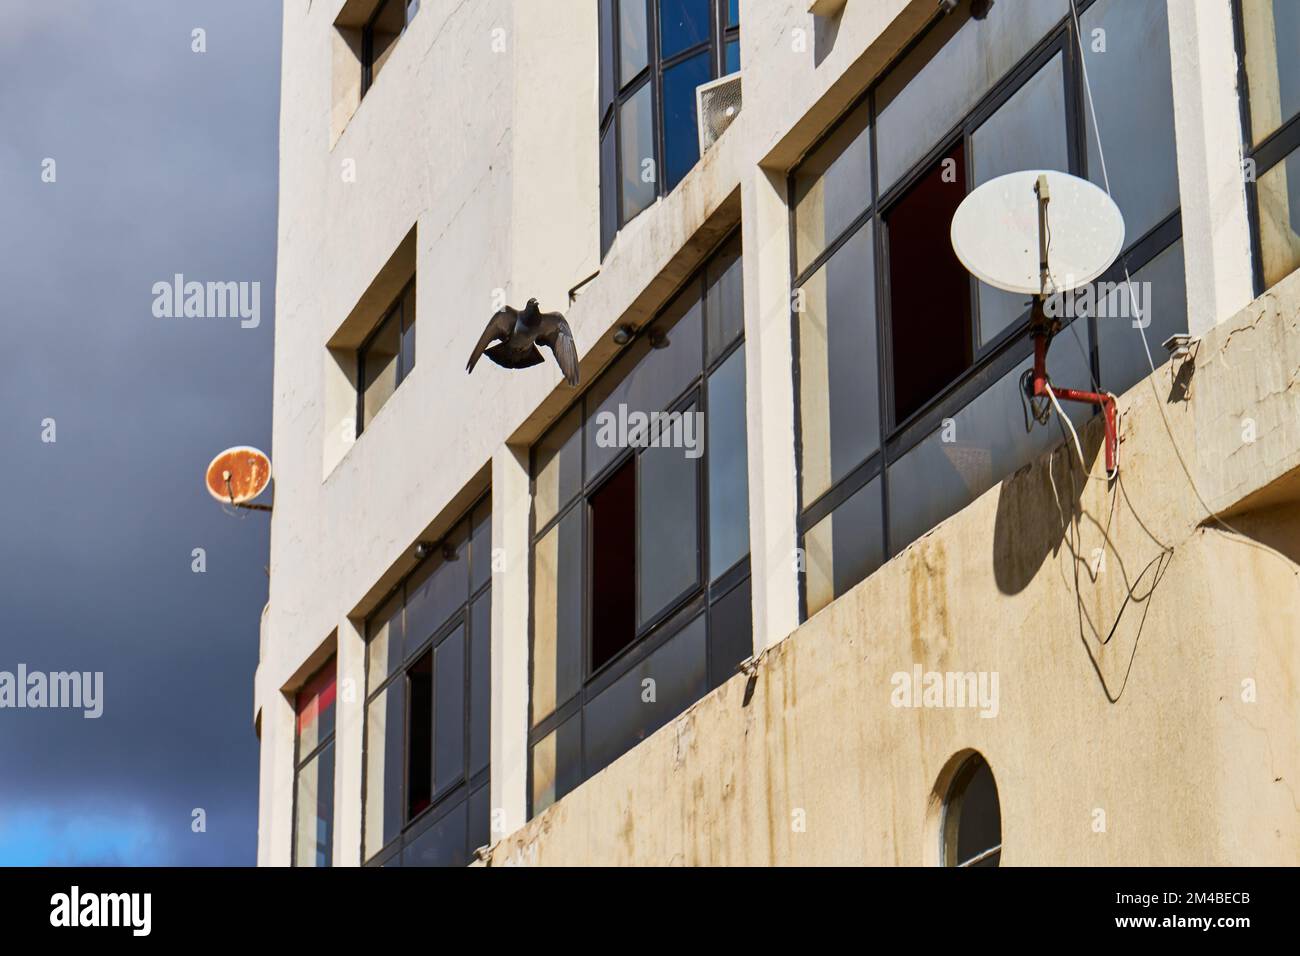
point(166, 163)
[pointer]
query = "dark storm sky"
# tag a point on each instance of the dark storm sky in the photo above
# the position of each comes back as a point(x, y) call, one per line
point(166, 163)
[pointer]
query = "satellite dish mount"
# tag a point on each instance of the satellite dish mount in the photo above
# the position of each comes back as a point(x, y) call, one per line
point(1021, 259)
point(1042, 329)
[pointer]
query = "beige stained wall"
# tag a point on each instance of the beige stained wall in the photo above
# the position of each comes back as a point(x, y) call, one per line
point(1161, 730)
point(480, 134)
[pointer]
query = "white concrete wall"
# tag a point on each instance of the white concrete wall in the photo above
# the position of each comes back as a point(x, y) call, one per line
point(491, 153)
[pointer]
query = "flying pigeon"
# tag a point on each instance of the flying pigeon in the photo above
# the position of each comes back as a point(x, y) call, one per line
point(518, 334)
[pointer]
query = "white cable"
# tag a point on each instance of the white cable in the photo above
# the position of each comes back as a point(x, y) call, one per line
point(1078, 447)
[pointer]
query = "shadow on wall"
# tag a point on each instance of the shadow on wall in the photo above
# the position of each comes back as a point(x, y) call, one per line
point(1106, 559)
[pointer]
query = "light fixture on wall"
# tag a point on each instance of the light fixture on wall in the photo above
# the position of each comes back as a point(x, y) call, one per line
point(623, 334)
point(422, 550)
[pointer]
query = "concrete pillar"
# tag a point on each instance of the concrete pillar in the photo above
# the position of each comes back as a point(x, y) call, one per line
point(275, 809)
point(1207, 121)
point(511, 503)
point(769, 396)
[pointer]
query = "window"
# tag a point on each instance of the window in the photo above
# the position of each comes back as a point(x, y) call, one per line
point(386, 357)
point(653, 55)
point(429, 681)
point(908, 372)
point(641, 596)
point(313, 781)
point(1268, 33)
point(972, 817)
point(379, 36)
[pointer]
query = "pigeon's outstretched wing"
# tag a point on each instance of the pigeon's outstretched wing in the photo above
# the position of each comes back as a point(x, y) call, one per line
point(555, 334)
point(499, 328)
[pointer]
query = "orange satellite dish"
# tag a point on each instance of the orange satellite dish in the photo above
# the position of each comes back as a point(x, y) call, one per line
point(238, 475)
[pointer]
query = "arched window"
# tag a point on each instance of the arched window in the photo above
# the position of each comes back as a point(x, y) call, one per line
point(972, 817)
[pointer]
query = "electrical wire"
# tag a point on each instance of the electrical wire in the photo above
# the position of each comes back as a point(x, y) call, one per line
point(1128, 284)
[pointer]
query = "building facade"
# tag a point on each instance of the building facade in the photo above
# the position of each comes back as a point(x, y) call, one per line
point(798, 573)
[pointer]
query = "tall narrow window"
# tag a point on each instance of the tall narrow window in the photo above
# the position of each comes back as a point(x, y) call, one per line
point(313, 828)
point(1269, 32)
point(428, 679)
point(386, 357)
point(641, 544)
point(653, 56)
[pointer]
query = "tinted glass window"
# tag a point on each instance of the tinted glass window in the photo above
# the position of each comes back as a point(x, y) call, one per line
point(839, 404)
point(1279, 219)
point(731, 633)
point(620, 716)
point(427, 728)
point(380, 368)
point(481, 548)
point(608, 192)
point(947, 74)
point(638, 157)
point(480, 676)
point(435, 591)
point(629, 550)
point(1134, 102)
point(606, 54)
point(648, 378)
point(557, 763)
point(1162, 302)
point(449, 711)
point(385, 765)
point(844, 547)
point(315, 804)
point(683, 24)
point(667, 531)
point(681, 131)
point(727, 445)
point(724, 299)
point(1027, 132)
point(480, 819)
point(443, 843)
point(633, 45)
point(1272, 37)
point(557, 615)
point(557, 464)
point(832, 187)
point(386, 638)
point(988, 441)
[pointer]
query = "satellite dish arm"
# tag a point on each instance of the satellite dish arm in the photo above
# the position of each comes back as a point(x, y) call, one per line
point(230, 493)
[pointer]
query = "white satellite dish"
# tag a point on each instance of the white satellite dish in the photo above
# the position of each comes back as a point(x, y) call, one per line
point(996, 232)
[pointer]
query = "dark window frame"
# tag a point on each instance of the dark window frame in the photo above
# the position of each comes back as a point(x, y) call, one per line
point(1004, 351)
point(1273, 149)
point(450, 798)
point(653, 74)
point(300, 760)
point(698, 601)
point(368, 39)
point(395, 311)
